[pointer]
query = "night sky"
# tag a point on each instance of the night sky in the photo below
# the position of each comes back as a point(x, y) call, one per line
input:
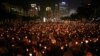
point(73, 4)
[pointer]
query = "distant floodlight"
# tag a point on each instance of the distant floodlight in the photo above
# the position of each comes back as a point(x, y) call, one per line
point(44, 19)
point(89, 4)
point(48, 8)
point(14, 9)
point(39, 8)
point(56, 4)
point(72, 11)
point(36, 8)
point(33, 5)
point(63, 3)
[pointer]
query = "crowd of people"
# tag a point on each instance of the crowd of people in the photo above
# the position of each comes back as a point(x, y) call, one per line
point(70, 38)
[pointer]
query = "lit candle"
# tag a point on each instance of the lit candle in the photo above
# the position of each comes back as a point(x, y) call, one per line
point(97, 39)
point(76, 43)
point(13, 45)
point(62, 47)
point(43, 52)
point(66, 45)
point(29, 41)
point(18, 38)
point(30, 54)
point(13, 38)
point(1, 35)
point(27, 49)
point(86, 41)
point(40, 45)
point(81, 42)
point(26, 37)
point(45, 47)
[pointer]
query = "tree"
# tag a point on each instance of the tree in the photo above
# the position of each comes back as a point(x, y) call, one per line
point(84, 11)
point(96, 8)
